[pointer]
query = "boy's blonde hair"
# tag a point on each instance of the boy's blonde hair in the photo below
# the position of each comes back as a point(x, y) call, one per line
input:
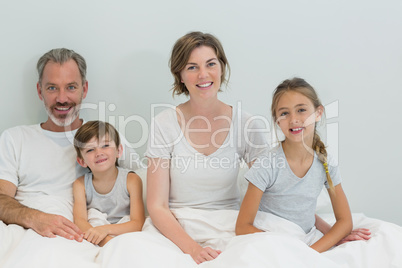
point(96, 129)
point(301, 86)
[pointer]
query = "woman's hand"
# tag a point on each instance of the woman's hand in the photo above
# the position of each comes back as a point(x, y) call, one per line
point(357, 234)
point(201, 254)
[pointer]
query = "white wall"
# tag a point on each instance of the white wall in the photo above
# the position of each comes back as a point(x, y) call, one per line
point(351, 51)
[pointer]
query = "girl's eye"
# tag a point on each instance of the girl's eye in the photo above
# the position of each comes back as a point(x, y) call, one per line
point(284, 114)
point(302, 110)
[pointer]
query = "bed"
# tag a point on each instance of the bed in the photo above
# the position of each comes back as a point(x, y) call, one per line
point(284, 245)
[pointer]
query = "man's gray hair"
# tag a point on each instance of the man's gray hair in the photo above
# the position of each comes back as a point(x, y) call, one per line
point(62, 55)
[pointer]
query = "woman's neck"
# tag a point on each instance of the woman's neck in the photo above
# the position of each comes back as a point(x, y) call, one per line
point(208, 108)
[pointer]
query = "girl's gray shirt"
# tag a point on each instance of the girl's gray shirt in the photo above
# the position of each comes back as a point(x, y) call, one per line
point(286, 195)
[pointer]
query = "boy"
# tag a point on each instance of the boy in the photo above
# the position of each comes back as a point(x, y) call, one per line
point(105, 196)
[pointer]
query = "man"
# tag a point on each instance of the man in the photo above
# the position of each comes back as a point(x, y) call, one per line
point(38, 162)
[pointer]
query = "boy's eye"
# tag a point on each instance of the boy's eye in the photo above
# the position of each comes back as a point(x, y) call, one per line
point(106, 145)
point(89, 150)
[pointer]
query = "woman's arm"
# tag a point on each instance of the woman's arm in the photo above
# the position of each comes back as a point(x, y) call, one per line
point(248, 211)
point(343, 225)
point(158, 182)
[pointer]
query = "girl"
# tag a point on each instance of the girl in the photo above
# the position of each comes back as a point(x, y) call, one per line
point(109, 193)
point(288, 181)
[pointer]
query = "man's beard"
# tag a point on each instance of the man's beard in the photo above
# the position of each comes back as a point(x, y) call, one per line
point(64, 121)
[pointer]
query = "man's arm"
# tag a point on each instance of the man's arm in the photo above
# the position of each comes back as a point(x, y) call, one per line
point(49, 225)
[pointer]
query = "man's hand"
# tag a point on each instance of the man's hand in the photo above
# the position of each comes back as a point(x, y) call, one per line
point(50, 225)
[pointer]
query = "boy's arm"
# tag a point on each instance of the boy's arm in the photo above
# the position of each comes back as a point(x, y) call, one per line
point(80, 205)
point(48, 225)
point(248, 211)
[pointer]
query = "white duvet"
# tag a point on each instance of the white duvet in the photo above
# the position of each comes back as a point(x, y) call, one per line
point(283, 245)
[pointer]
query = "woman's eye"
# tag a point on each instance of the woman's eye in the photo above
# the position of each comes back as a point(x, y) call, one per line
point(211, 64)
point(191, 68)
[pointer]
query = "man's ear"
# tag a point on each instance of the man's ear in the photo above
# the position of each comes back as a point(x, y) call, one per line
point(39, 91)
point(120, 151)
point(85, 90)
point(81, 162)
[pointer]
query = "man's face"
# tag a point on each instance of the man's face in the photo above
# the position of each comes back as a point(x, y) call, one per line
point(62, 92)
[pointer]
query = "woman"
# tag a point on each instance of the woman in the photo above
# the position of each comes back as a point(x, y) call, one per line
point(195, 149)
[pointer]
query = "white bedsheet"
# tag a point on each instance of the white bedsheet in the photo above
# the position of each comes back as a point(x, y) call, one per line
point(284, 245)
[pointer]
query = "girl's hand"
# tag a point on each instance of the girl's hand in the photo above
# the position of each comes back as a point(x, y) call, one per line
point(96, 234)
point(201, 254)
point(357, 234)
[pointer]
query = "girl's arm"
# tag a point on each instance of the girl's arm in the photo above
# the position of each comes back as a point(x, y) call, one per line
point(248, 211)
point(158, 182)
point(356, 234)
point(343, 225)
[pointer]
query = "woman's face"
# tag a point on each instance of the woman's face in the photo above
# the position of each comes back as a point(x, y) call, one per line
point(202, 73)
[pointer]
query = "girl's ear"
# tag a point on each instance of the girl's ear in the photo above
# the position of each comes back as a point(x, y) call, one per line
point(318, 113)
point(81, 162)
point(120, 151)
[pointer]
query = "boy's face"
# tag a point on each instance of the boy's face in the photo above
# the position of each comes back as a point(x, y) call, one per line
point(100, 155)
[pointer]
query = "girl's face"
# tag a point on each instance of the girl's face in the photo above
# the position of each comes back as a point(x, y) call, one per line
point(296, 116)
point(202, 74)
